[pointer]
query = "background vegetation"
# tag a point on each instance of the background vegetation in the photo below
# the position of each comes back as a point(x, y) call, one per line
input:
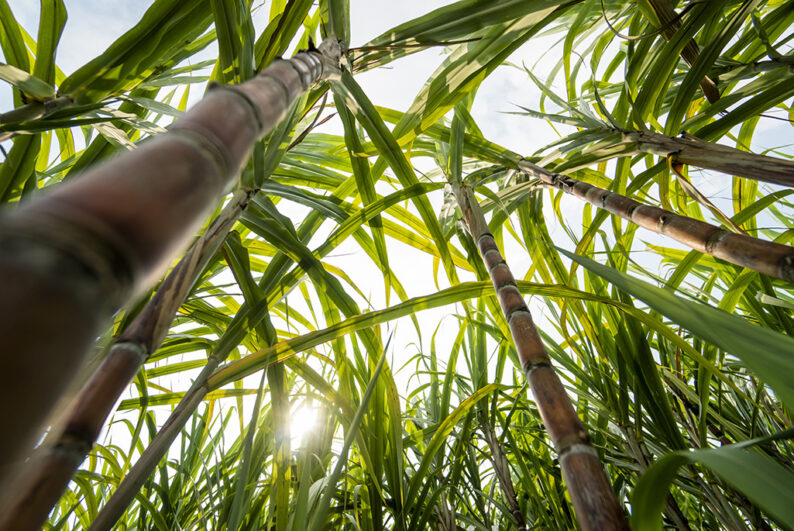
point(679, 363)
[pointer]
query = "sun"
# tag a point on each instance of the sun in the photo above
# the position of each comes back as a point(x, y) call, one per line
point(303, 420)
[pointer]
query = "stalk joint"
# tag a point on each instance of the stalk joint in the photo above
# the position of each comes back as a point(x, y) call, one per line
point(715, 239)
point(787, 268)
point(664, 220)
point(73, 447)
point(537, 362)
point(577, 442)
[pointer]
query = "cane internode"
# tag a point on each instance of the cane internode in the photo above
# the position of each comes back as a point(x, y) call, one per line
point(594, 501)
point(118, 227)
point(771, 258)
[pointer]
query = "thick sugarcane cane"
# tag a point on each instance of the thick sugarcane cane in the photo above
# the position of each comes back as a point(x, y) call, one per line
point(688, 149)
point(52, 465)
point(769, 258)
point(670, 22)
point(72, 257)
point(594, 501)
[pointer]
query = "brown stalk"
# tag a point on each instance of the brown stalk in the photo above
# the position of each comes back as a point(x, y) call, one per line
point(445, 516)
point(688, 149)
point(53, 464)
point(158, 447)
point(769, 258)
point(154, 452)
point(670, 22)
point(593, 499)
point(142, 469)
point(502, 471)
point(71, 258)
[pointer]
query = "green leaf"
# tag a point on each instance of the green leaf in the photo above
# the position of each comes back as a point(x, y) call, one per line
point(14, 50)
point(162, 33)
point(19, 165)
point(366, 114)
point(336, 19)
point(274, 41)
point(51, 23)
point(319, 517)
point(32, 86)
point(440, 435)
point(766, 483)
point(764, 351)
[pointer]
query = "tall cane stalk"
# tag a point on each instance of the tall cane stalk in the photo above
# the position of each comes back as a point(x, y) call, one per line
point(688, 149)
point(56, 460)
point(502, 471)
point(670, 23)
point(769, 258)
point(594, 501)
point(71, 258)
point(155, 450)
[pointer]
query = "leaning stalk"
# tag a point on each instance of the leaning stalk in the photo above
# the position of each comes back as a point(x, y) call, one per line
point(670, 23)
point(502, 471)
point(74, 256)
point(154, 452)
point(688, 149)
point(594, 501)
point(769, 258)
point(55, 462)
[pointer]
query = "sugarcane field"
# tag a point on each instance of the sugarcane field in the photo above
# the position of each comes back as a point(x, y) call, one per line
point(364, 265)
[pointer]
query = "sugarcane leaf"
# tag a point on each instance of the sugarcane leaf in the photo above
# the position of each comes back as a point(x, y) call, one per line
point(661, 69)
point(753, 474)
point(326, 207)
point(159, 107)
point(319, 517)
point(115, 136)
point(442, 432)
point(32, 86)
point(458, 21)
point(226, 14)
point(19, 164)
point(51, 23)
point(11, 40)
point(761, 349)
point(366, 187)
point(760, 102)
point(465, 68)
point(161, 34)
point(366, 114)
point(336, 19)
point(276, 38)
point(704, 62)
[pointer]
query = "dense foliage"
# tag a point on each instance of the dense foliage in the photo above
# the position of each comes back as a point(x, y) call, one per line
point(679, 363)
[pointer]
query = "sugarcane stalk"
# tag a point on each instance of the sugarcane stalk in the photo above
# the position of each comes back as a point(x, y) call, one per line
point(688, 149)
point(594, 501)
point(52, 466)
point(445, 516)
point(502, 472)
point(158, 447)
point(769, 258)
point(154, 452)
point(670, 23)
point(72, 257)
